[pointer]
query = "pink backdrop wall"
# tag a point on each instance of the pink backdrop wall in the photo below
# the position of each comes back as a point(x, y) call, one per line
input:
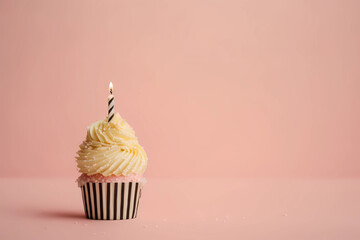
point(224, 88)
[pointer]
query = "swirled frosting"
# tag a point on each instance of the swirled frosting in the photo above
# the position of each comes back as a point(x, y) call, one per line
point(111, 149)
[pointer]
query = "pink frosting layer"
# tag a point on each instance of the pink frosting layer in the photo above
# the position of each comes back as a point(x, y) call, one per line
point(98, 178)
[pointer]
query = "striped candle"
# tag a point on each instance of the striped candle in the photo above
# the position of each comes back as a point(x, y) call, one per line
point(111, 104)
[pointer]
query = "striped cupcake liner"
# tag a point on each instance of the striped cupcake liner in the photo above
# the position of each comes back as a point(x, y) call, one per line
point(111, 201)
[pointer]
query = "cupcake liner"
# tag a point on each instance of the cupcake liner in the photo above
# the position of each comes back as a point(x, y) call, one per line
point(111, 201)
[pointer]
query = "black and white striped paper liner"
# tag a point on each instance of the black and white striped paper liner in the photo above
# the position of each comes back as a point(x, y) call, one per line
point(111, 201)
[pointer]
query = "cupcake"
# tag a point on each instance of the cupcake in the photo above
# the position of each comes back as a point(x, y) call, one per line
point(111, 163)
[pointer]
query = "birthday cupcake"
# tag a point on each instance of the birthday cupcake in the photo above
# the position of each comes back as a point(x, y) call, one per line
point(112, 164)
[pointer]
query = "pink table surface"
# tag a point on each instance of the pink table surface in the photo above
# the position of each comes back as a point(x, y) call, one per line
point(189, 209)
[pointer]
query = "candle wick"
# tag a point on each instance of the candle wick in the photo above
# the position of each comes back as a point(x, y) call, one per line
point(110, 91)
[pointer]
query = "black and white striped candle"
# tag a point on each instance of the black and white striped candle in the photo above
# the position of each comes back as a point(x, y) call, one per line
point(111, 104)
point(111, 201)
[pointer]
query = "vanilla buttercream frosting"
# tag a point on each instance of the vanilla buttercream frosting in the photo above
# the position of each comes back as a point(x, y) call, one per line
point(111, 148)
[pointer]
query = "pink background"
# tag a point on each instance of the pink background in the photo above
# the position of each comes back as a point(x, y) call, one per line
point(249, 112)
point(212, 88)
